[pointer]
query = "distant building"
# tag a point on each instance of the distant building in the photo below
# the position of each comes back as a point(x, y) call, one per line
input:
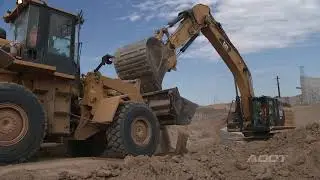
point(310, 88)
point(310, 91)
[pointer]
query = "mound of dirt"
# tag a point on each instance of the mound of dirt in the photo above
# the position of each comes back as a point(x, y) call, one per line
point(290, 155)
point(299, 151)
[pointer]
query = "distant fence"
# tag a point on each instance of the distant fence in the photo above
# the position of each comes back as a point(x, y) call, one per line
point(210, 115)
point(201, 116)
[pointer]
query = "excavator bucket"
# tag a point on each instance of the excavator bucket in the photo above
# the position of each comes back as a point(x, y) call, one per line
point(142, 60)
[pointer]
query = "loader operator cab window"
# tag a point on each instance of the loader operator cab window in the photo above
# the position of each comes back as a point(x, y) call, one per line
point(26, 30)
point(60, 41)
point(20, 26)
point(47, 36)
point(60, 31)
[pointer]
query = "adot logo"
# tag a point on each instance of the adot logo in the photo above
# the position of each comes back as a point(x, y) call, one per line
point(267, 158)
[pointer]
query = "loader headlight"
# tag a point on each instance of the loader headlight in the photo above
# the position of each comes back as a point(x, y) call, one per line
point(19, 2)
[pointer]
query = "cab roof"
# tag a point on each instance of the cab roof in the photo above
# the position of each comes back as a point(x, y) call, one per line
point(11, 16)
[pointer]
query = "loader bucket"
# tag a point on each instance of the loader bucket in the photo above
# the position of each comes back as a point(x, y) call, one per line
point(187, 111)
point(170, 107)
point(142, 60)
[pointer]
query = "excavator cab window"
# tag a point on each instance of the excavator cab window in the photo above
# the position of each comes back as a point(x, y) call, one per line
point(266, 112)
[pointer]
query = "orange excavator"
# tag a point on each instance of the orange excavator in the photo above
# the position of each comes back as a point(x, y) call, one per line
point(253, 116)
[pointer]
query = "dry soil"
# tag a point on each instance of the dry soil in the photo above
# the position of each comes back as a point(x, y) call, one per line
point(209, 156)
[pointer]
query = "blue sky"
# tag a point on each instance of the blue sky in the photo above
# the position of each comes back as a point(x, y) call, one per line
point(274, 38)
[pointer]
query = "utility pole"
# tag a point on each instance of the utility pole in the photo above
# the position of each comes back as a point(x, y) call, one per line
point(278, 84)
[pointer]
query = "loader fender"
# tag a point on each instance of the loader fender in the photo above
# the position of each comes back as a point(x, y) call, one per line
point(103, 113)
point(106, 109)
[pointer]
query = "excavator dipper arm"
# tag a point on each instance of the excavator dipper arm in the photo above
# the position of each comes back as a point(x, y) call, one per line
point(199, 19)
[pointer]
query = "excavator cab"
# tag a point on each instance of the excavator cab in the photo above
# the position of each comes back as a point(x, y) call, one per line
point(267, 115)
point(44, 35)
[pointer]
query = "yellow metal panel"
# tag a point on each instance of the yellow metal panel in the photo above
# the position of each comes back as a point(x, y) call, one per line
point(63, 75)
point(34, 65)
point(106, 110)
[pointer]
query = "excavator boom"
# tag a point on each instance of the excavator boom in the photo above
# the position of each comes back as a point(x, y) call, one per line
point(155, 56)
point(199, 19)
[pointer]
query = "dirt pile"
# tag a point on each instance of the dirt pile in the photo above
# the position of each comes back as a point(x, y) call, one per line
point(291, 155)
point(299, 153)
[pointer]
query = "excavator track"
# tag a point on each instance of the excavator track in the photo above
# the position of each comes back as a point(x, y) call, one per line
point(142, 60)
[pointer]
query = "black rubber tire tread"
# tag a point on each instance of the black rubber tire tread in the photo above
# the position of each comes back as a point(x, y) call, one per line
point(120, 144)
point(30, 144)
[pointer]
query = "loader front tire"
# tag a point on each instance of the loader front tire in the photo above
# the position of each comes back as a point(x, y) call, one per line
point(22, 124)
point(135, 131)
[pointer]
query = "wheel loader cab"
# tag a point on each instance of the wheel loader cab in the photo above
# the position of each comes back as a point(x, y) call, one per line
point(46, 34)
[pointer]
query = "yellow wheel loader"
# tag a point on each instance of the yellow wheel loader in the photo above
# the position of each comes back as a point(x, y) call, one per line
point(45, 98)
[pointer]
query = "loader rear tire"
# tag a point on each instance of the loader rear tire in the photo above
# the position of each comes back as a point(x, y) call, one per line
point(22, 124)
point(134, 131)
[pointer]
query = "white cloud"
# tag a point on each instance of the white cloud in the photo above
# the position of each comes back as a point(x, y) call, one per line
point(252, 25)
point(133, 17)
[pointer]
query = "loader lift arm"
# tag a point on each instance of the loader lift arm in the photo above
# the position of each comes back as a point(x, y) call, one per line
point(199, 19)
